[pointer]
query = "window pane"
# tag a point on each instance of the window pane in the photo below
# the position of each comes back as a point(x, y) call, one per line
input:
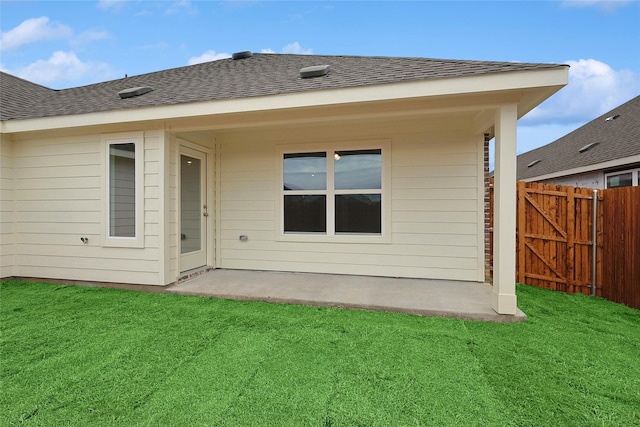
point(122, 190)
point(359, 213)
point(190, 205)
point(620, 180)
point(305, 214)
point(358, 170)
point(305, 171)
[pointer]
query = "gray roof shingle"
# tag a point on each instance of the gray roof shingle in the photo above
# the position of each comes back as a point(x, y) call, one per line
point(616, 138)
point(16, 94)
point(259, 75)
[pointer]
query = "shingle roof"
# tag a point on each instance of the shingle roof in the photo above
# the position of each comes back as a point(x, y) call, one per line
point(259, 75)
point(617, 138)
point(16, 93)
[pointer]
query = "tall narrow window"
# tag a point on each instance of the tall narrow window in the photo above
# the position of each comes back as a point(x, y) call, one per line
point(122, 190)
point(124, 195)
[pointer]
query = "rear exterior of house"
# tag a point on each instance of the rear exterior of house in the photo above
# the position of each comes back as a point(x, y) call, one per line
point(346, 173)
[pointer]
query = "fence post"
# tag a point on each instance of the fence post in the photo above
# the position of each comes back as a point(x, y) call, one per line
point(521, 227)
point(594, 237)
point(570, 271)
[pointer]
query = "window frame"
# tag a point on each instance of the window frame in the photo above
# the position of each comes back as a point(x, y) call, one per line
point(108, 140)
point(330, 236)
point(635, 177)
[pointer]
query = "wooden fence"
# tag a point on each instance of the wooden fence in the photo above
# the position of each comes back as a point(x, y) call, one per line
point(621, 246)
point(554, 240)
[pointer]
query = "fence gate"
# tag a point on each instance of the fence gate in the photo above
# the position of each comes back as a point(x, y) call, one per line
point(554, 230)
point(554, 240)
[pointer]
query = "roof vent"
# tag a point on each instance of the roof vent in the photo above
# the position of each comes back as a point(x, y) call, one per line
point(588, 147)
point(314, 71)
point(134, 91)
point(608, 119)
point(535, 162)
point(242, 55)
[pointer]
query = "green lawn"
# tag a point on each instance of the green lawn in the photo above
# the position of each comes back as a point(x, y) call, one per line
point(99, 357)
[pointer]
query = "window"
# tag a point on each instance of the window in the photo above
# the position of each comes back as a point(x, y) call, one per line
point(333, 193)
point(122, 190)
point(626, 178)
point(123, 216)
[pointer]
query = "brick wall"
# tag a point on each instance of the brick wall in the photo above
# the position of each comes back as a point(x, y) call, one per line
point(488, 262)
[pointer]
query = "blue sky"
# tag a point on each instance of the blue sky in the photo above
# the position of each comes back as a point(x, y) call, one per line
point(62, 44)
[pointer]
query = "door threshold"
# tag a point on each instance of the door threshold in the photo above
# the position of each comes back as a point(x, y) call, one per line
point(192, 274)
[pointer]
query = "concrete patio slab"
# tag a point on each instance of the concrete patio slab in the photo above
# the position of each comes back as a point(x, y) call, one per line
point(443, 298)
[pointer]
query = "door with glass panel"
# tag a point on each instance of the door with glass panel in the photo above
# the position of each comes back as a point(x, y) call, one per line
point(193, 209)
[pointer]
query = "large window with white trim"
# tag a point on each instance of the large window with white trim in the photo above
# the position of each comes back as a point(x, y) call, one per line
point(334, 192)
point(123, 185)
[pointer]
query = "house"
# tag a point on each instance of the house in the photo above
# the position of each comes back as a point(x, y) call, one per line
point(327, 164)
point(604, 153)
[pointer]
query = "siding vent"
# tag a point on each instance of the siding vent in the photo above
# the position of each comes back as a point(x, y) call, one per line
point(314, 71)
point(242, 55)
point(610, 118)
point(588, 147)
point(535, 162)
point(134, 91)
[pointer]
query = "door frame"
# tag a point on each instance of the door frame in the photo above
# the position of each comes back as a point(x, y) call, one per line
point(210, 223)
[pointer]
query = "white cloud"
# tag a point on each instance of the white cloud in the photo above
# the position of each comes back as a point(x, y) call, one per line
point(604, 5)
point(209, 55)
point(594, 88)
point(63, 67)
point(296, 48)
point(33, 30)
point(90, 36)
point(290, 48)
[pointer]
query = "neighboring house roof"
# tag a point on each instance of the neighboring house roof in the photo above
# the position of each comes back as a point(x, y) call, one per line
point(258, 75)
point(615, 135)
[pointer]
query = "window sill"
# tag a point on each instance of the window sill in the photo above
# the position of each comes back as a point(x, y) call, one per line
point(123, 242)
point(339, 238)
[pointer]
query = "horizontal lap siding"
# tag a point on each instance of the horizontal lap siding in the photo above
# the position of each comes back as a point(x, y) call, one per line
point(7, 206)
point(59, 199)
point(434, 203)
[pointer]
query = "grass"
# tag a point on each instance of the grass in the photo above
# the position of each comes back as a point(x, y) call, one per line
point(86, 356)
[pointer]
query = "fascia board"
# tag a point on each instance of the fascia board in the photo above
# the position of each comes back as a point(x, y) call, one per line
point(590, 168)
point(546, 80)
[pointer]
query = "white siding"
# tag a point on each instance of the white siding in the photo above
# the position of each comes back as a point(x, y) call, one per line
point(435, 205)
point(7, 206)
point(174, 239)
point(59, 198)
point(593, 179)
